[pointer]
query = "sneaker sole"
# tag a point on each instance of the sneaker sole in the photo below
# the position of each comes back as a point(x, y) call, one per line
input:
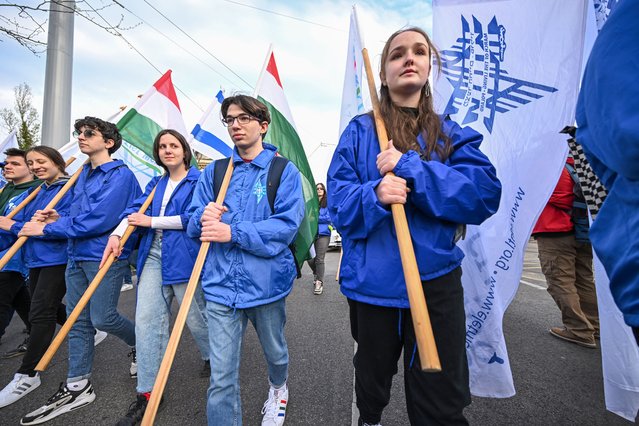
point(577, 342)
point(32, 388)
point(62, 410)
point(13, 354)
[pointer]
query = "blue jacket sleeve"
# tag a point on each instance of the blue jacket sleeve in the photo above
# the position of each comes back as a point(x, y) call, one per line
point(202, 195)
point(62, 208)
point(352, 201)
point(464, 189)
point(271, 236)
point(104, 212)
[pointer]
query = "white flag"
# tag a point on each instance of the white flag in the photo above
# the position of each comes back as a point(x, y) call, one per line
point(209, 136)
point(506, 76)
point(355, 99)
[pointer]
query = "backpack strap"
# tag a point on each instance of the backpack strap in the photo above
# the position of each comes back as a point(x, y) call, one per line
point(278, 164)
point(219, 169)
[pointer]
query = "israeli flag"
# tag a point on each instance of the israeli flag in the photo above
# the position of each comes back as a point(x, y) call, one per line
point(209, 136)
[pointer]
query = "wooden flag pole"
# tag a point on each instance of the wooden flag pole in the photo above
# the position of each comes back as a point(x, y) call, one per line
point(21, 240)
point(426, 346)
point(31, 196)
point(180, 320)
point(82, 303)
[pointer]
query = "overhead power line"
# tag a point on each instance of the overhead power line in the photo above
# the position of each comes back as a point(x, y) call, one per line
point(284, 15)
point(199, 59)
point(148, 61)
point(199, 44)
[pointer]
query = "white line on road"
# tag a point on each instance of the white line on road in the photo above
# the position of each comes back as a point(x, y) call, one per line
point(533, 285)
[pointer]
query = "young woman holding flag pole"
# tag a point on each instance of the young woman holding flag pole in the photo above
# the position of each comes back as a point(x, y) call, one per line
point(435, 173)
point(165, 259)
point(46, 260)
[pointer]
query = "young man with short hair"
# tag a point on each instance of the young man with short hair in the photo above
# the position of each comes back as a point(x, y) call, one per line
point(102, 192)
point(14, 294)
point(250, 269)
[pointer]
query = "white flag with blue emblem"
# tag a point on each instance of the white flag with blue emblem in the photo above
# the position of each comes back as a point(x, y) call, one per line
point(209, 136)
point(506, 75)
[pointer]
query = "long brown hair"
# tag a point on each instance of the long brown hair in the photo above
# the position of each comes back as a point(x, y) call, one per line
point(402, 125)
point(52, 154)
point(322, 201)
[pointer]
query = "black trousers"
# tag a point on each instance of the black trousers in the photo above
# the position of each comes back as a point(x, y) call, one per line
point(14, 296)
point(47, 290)
point(382, 333)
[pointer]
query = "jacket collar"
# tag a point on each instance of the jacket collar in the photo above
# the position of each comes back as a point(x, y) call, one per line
point(106, 167)
point(263, 158)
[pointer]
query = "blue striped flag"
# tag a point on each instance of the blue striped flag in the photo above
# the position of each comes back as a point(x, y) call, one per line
point(210, 137)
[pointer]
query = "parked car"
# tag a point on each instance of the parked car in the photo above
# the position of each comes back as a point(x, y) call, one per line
point(336, 240)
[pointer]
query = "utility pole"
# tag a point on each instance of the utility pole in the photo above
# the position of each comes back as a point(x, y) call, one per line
point(56, 111)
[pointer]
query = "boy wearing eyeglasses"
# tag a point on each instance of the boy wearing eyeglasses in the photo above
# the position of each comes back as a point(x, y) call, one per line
point(249, 270)
point(103, 190)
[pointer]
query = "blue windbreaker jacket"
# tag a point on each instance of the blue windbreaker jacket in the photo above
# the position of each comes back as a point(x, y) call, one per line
point(16, 264)
point(179, 251)
point(608, 130)
point(323, 221)
point(256, 267)
point(464, 189)
point(99, 198)
point(44, 251)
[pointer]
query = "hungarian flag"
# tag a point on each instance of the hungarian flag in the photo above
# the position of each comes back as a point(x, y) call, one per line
point(157, 109)
point(283, 135)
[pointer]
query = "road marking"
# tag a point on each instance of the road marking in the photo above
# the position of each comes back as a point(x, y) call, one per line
point(533, 285)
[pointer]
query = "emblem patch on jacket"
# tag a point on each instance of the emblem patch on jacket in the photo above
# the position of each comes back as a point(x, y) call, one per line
point(259, 191)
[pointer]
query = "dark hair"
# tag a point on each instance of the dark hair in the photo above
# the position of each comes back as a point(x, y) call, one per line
point(402, 125)
point(108, 130)
point(52, 154)
point(16, 152)
point(322, 201)
point(248, 104)
point(185, 147)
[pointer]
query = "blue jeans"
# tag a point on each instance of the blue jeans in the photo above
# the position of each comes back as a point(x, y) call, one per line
point(226, 331)
point(101, 312)
point(153, 315)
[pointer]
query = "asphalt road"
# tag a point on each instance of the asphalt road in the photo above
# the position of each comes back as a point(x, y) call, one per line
point(557, 383)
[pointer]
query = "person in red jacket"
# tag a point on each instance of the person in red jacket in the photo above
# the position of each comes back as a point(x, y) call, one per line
point(566, 261)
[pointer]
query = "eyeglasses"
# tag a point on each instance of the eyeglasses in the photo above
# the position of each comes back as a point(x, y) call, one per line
point(242, 119)
point(88, 133)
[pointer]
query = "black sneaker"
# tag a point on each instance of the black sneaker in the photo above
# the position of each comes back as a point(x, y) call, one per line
point(135, 413)
point(63, 401)
point(206, 369)
point(20, 350)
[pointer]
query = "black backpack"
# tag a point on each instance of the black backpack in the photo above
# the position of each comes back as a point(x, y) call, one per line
point(276, 168)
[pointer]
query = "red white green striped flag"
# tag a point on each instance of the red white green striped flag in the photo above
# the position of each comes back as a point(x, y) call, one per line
point(283, 135)
point(157, 109)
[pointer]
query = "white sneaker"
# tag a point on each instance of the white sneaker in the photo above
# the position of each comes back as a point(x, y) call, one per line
point(274, 409)
point(126, 287)
point(63, 401)
point(133, 370)
point(21, 385)
point(319, 287)
point(99, 337)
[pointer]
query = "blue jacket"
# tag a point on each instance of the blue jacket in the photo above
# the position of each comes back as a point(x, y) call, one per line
point(99, 198)
point(44, 251)
point(608, 120)
point(179, 251)
point(323, 221)
point(464, 189)
point(256, 267)
point(16, 264)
